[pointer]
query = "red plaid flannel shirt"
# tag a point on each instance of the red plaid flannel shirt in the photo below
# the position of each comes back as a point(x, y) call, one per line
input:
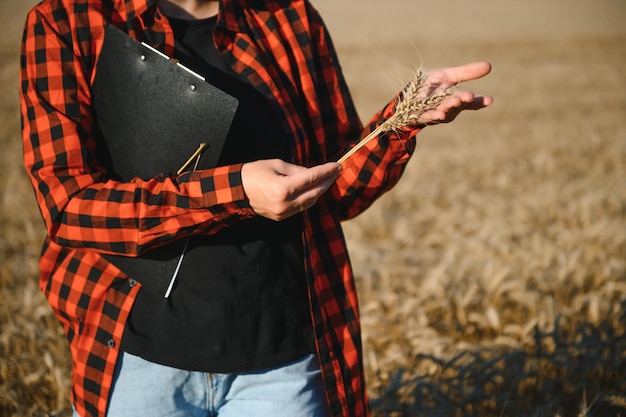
point(284, 50)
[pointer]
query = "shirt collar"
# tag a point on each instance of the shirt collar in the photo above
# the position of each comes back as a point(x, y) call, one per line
point(234, 13)
point(230, 16)
point(133, 8)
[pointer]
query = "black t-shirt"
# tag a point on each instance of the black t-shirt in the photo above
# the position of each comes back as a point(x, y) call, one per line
point(242, 304)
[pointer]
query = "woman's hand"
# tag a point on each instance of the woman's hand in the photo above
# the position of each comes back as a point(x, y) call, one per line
point(459, 100)
point(278, 190)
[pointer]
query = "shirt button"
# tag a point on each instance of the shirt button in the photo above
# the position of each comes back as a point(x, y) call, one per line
point(132, 283)
point(111, 343)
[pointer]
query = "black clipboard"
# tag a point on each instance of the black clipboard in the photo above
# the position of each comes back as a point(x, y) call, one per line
point(152, 114)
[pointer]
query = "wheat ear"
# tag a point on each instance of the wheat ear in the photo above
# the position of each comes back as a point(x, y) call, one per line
point(412, 102)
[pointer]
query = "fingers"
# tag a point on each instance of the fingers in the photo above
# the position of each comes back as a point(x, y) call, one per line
point(307, 185)
point(452, 106)
point(464, 100)
point(467, 72)
point(460, 100)
point(307, 179)
point(479, 102)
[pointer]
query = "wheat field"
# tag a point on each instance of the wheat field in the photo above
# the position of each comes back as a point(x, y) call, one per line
point(493, 277)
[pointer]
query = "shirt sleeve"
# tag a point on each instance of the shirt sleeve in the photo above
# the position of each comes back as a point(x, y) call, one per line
point(81, 205)
point(375, 168)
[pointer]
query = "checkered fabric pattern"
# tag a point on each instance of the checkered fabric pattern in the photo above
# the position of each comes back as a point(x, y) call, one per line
point(284, 50)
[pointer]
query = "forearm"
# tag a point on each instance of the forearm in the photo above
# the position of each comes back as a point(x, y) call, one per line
point(128, 218)
point(82, 206)
point(375, 168)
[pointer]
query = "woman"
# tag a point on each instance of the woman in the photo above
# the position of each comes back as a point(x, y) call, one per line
point(267, 322)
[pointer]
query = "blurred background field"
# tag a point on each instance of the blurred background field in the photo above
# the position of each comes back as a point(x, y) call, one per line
point(493, 277)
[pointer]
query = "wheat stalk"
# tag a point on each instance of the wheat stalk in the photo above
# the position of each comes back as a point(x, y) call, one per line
point(416, 98)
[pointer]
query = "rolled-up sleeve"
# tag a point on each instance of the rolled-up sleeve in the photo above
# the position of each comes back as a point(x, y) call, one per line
point(81, 205)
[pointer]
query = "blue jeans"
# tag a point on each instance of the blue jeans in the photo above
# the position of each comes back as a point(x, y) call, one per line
point(142, 388)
